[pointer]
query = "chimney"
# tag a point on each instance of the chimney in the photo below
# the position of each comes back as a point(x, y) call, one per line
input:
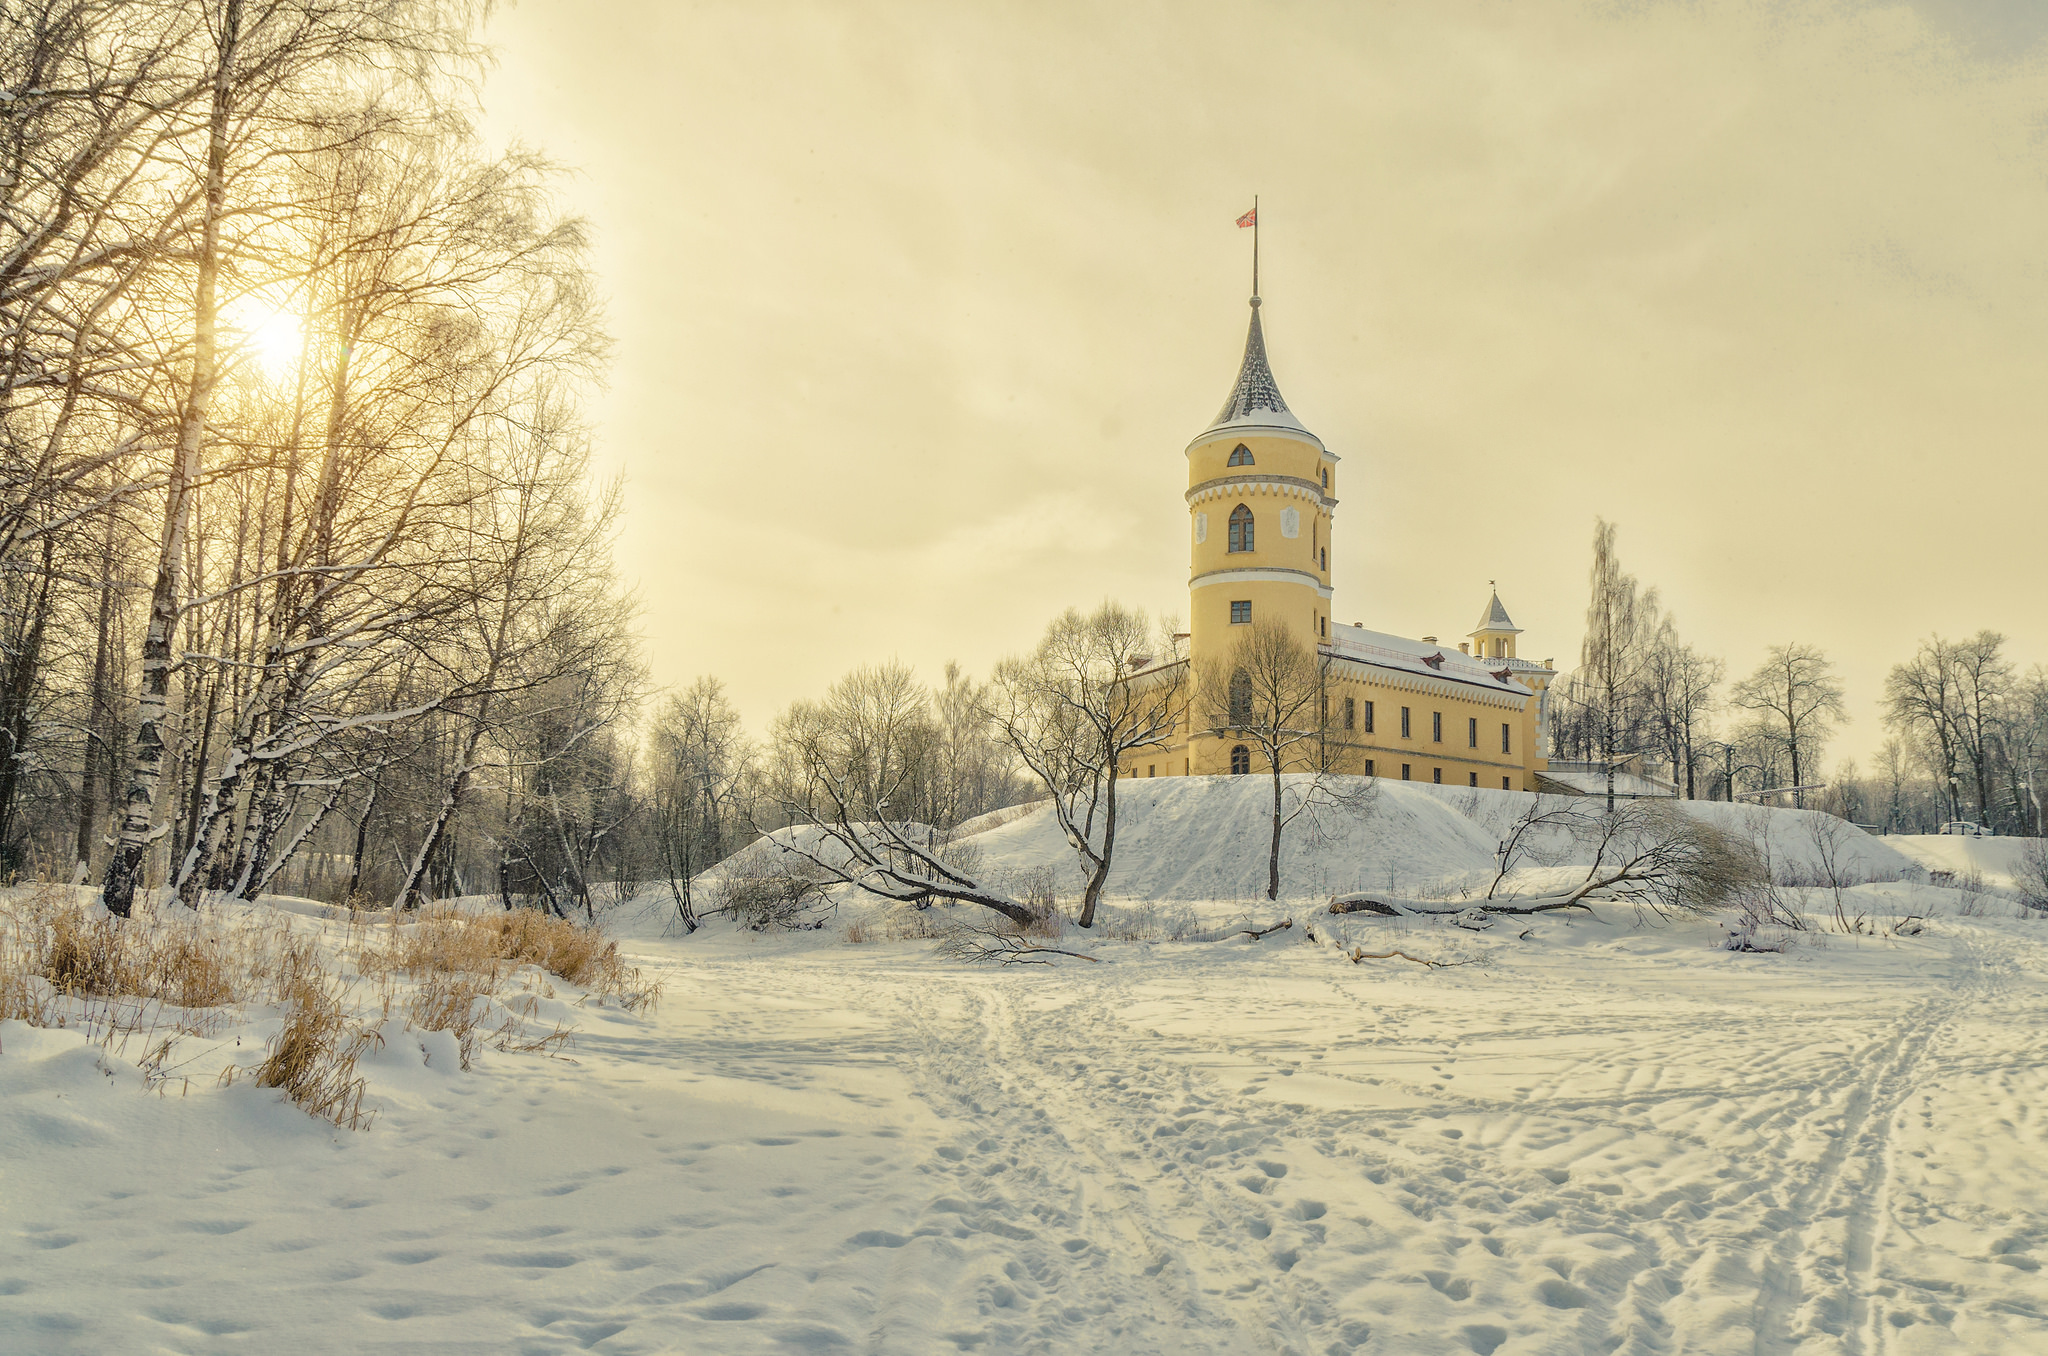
point(1464, 647)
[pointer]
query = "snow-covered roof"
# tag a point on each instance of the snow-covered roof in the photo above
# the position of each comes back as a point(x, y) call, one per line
point(1495, 618)
point(1255, 400)
point(1423, 658)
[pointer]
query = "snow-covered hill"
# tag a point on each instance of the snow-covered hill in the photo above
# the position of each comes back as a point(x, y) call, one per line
point(1206, 839)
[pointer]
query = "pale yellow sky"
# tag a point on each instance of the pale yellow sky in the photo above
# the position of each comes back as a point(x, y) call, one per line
point(918, 304)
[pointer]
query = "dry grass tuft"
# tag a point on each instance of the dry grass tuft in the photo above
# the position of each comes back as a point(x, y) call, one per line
point(450, 943)
point(179, 961)
point(313, 1059)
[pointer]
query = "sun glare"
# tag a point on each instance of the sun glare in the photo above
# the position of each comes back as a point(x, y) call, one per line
point(271, 337)
point(277, 341)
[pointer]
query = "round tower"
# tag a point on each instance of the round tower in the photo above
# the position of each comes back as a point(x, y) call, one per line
point(1261, 495)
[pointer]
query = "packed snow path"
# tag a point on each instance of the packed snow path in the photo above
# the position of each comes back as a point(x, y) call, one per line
point(1600, 1139)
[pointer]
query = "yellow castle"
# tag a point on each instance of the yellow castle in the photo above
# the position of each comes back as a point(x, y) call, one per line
point(1261, 502)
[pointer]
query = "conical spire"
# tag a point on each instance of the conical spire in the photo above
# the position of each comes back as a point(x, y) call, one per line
point(1495, 618)
point(1255, 399)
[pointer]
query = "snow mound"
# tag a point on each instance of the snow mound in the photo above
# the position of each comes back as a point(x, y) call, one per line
point(1207, 838)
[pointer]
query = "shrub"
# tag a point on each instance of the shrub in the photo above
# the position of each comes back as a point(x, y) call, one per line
point(2032, 877)
point(763, 895)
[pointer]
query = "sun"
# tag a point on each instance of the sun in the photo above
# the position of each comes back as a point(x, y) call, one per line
point(277, 340)
point(273, 336)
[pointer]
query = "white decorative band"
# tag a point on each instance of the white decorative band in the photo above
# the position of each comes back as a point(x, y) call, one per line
point(1239, 432)
point(1267, 574)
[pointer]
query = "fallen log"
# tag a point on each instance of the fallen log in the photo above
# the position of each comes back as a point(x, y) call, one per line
point(1255, 933)
point(1361, 954)
point(1391, 906)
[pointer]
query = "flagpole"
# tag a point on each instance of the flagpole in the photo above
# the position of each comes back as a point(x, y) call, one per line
point(1255, 248)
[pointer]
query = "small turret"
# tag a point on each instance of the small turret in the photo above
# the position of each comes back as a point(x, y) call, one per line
point(1495, 636)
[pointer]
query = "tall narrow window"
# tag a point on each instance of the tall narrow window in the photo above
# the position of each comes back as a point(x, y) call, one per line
point(1436, 774)
point(1326, 478)
point(1404, 772)
point(1350, 713)
point(1240, 699)
point(1506, 738)
point(1326, 558)
point(1241, 456)
point(1323, 625)
point(1436, 727)
point(1368, 717)
point(1240, 529)
point(1475, 778)
point(1505, 785)
point(1404, 723)
point(1369, 769)
point(1240, 761)
point(1472, 735)
point(1241, 612)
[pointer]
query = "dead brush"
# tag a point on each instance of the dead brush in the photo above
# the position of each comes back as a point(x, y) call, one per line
point(446, 942)
point(312, 1060)
point(456, 1004)
point(181, 962)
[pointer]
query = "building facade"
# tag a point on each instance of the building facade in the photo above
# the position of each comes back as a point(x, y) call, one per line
point(1261, 501)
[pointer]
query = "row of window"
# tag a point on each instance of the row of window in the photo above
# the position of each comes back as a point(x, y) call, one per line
point(1352, 713)
point(1241, 763)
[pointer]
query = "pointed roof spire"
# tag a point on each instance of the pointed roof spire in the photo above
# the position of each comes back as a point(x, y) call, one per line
point(1495, 618)
point(1255, 398)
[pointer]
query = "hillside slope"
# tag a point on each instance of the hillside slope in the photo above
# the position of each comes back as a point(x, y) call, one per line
point(1206, 838)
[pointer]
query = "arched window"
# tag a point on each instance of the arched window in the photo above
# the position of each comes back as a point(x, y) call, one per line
point(1241, 456)
point(1240, 529)
point(1240, 699)
point(1240, 761)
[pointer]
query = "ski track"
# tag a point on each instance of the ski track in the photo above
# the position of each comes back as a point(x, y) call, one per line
point(1255, 1149)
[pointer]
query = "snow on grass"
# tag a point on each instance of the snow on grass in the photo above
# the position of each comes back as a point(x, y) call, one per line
point(1588, 1136)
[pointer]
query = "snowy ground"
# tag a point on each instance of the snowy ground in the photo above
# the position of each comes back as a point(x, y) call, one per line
point(1598, 1137)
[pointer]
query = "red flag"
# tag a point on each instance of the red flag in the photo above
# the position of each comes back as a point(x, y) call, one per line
point(1250, 218)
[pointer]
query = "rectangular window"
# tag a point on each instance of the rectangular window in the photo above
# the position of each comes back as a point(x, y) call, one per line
point(1404, 723)
point(1151, 769)
point(1368, 768)
point(1436, 727)
point(1475, 778)
point(1323, 624)
point(1506, 742)
point(1472, 732)
point(1436, 774)
point(1368, 717)
point(1404, 772)
point(1504, 785)
point(1241, 613)
point(1350, 713)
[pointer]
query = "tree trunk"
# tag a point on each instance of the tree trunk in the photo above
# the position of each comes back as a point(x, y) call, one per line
point(19, 699)
point(1100, 874)
point(1273, 855)
point(138, 828)
point(96, 747)
point(355, 870)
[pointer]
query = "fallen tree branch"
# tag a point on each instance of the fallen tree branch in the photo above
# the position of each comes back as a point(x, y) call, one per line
point(1359, 953)
point(969, 943)
point(1255, 933)
point(1389, 906)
